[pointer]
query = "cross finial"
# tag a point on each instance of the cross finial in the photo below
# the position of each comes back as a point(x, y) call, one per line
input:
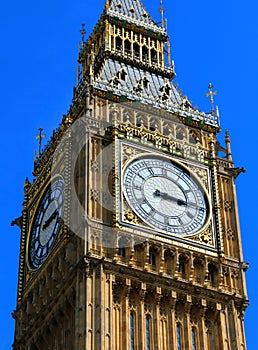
point(211, 95)
point(83, 32)
point(40, 137)
point(162, 11)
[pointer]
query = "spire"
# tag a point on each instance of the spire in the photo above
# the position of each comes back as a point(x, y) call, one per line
point(162, 12)
point(132, 11)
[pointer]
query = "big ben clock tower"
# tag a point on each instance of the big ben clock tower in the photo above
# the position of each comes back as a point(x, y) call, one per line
point(130, 236)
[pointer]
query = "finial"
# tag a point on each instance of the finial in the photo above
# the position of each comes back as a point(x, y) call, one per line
point(27, 184)
point(228, 145)
point(210, 94)
point(162, 11)
point(40, 137)
point(217, 112)
point(83, 32)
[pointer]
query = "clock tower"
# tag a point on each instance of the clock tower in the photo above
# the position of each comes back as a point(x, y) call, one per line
point(130, 235)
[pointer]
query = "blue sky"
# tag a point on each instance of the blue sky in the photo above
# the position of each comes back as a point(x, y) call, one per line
point(211, 41)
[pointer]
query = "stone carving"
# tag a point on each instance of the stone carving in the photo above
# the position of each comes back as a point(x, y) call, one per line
point(202, 175)
point(205, 237)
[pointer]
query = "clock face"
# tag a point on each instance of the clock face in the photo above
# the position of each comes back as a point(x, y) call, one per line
point(46, 223)
point(165, 196)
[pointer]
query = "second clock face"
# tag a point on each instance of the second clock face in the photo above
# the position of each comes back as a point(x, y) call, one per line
point(46, 223)
point(165, 196)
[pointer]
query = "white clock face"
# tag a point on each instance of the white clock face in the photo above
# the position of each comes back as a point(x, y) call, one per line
point(46, 223)
point(165, 196)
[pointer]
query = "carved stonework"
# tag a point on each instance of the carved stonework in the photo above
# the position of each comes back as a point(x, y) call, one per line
point(228, 205)
point(94, 194)
point(94, 165)
point(205, 237)
point(157, 140)
point(129, 153)
point(201, 174)
point(131, 218)
point(230, 234)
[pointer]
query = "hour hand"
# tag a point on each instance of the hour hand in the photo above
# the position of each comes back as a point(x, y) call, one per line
point(50, 219)
point(163, 195)
point(158, 193)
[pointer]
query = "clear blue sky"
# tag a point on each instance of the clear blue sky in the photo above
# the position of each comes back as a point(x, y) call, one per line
point(211, 41)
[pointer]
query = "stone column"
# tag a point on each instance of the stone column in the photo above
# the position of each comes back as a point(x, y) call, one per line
point(187, 323)
point(172, 323)
point(203, 330)
point(156, 321)
point(142, 324)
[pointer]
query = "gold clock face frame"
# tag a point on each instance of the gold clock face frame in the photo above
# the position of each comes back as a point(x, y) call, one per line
point(45, 223)
point(165, 195)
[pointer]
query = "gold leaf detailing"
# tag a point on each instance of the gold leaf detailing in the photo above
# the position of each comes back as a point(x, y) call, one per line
point(205, 237)
point(202, 175)
point(131, 218)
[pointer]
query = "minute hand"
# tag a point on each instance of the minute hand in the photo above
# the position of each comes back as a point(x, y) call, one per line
point(190, 204)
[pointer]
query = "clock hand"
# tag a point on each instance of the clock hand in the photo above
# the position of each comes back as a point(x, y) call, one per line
point(188, 204)
point(180, 202)
point(50, 219)
point(158, 193)
point(195, 206)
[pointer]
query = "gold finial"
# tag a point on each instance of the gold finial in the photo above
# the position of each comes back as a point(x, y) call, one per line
point(40, 137)
point(210, 94)
point(83, 32)
point(162, 11)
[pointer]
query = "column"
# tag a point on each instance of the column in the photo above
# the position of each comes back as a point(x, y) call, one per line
point(172, 323)
point(203, 330)
point(187, 324)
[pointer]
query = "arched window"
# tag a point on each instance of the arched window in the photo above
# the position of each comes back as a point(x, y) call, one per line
point(154, 56)
point(148, 332)
point(153, 258)
point(132, 331)
point(194, 347)
point(119, 44)
point(136, 50)
point(145, 54)
point(180, 134)
point(212, 275)
point(122, 252)
point(178, 336)
point(182, 266)
point(127, 47)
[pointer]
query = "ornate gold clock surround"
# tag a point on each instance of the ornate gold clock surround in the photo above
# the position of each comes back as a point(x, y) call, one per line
point(206, 236)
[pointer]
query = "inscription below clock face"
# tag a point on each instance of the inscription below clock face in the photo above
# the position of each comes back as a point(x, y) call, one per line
point(46, 223)
point(165, 196)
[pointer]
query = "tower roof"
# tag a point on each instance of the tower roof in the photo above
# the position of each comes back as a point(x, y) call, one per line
point(132, 11)
point(136, 84)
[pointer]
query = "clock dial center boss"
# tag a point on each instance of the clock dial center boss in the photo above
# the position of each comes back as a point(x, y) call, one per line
point(165, 196)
